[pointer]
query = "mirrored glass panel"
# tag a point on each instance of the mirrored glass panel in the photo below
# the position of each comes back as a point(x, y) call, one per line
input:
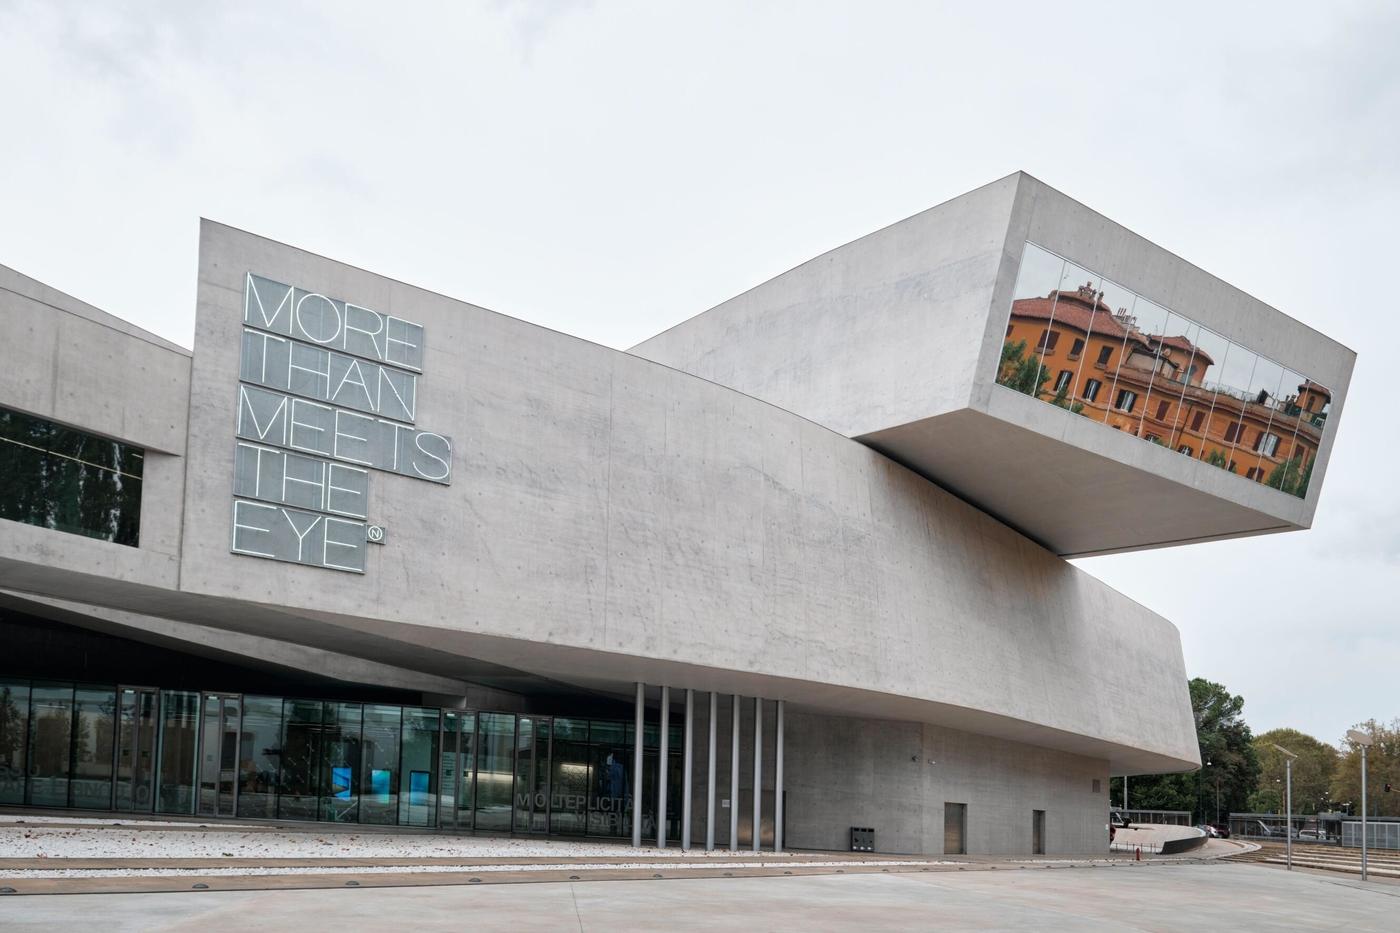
point(610, 774)
point(94, 719)
point(496, 774)
point(1097, 349)
point(418, 766)
point(569, 781)
point(301, 760)
point(1029, 329)
point(340, 763)
point(1112, 344)
point(51, 733)
point(379, 773)
point(14, 738)
point(175, 769)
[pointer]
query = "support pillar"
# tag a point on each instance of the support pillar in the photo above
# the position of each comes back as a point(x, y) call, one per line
point(638, 717)
point(757, 771)
point(734, 776)
point(687, 785)
point(661, 768)
point(778, 784)
point(710, 783)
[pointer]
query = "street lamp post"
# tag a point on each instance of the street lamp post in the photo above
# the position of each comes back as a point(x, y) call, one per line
point(1361, 738)
point(1288, 799)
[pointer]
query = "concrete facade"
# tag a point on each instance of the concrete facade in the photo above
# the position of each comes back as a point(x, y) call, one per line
point(612, 520)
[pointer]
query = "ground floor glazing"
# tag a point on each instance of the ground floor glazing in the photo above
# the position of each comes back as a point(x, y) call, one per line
point(133, 749)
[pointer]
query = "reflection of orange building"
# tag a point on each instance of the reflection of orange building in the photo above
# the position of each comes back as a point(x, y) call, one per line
point(1157, 387)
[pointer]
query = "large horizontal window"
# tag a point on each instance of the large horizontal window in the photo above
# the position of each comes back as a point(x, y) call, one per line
point(1204, 393)
point(67, 480)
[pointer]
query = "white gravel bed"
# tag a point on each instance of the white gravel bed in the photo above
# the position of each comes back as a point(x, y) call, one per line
point(145, 840)
point(396, 869)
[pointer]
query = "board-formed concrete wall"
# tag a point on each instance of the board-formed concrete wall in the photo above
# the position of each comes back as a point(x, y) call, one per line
point(66, 361)
point(895, 778)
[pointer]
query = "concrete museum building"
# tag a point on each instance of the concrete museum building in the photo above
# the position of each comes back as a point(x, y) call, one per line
point(373, 555)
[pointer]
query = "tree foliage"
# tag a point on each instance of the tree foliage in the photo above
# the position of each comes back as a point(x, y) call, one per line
point(1021, 371)
point(1225, 741)
point(1312, 772)
point(1382, 767)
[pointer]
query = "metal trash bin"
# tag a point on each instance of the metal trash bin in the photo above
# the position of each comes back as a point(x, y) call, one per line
point(862, 839)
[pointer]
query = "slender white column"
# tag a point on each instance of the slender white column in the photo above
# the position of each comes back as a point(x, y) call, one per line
point(687, 788)
point(638, 716)
point(757, 771)
point(710, 783)
point(661, 768)
point(778, 785)
point(734, 776)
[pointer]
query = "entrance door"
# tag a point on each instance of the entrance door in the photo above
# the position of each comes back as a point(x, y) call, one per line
point(134, 788)
point(219, 719)
point(457, 779)
point(954, 829)
point(532, 755)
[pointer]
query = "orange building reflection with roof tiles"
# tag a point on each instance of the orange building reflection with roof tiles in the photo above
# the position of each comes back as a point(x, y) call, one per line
point(1094, 361)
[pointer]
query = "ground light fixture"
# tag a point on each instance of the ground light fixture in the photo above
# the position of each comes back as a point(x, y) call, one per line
point(1288, 799)
point(1358, 737)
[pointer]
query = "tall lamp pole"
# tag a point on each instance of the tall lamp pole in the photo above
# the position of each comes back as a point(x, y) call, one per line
point(1288, 799)
point(1361, 738)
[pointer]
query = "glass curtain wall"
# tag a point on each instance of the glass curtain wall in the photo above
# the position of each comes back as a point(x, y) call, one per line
point(139, 749)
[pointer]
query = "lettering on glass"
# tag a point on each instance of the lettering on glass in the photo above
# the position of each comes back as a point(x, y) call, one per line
point(327, 392)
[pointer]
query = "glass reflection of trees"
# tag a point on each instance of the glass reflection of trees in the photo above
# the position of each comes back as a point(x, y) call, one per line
point(1096, 349)
point(67, 480)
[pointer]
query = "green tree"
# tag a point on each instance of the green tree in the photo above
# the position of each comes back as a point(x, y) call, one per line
point(1302, 489)
point(1312, 771)
point(1266, 800)
point(1382, 767)
point(1225, 741)
point(1021, 371)
point(1217, 458)
point(1061, 399)
point(1287, 476)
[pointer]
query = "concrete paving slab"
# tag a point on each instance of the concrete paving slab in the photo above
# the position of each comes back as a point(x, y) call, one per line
point(1162, 897)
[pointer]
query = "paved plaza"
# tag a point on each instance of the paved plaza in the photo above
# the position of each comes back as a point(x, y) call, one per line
point(1156, 897)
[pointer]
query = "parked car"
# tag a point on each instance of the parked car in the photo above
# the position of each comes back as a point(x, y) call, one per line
point(1221, 830)
point(1118, 818)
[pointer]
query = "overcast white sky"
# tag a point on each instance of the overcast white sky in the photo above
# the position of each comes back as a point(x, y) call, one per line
point(608, 169)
